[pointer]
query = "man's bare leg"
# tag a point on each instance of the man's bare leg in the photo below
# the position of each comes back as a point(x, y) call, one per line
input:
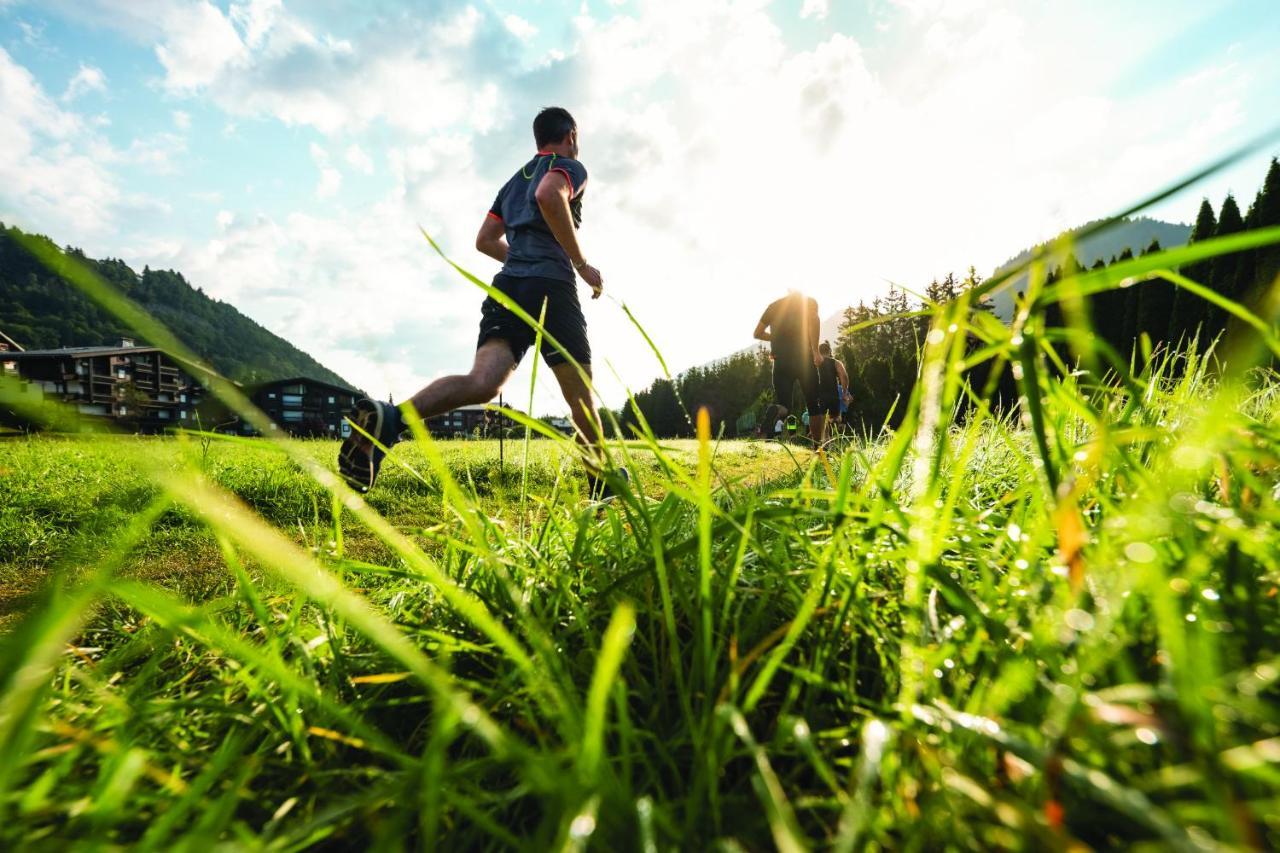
point(817, 428)
point(492, 367)
point(587, 422)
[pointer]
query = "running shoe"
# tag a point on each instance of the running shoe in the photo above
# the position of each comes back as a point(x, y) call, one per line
point(600, 487)
point(358, 462)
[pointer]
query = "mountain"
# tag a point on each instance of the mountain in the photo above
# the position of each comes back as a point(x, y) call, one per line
point(1132, 234)
point(40, 310)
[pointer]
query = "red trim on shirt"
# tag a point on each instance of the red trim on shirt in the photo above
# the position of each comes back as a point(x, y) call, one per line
point(545, 153)
point(494, 215)
point(567, 177)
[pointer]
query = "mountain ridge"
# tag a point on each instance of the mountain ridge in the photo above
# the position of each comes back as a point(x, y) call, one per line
point(40, 310)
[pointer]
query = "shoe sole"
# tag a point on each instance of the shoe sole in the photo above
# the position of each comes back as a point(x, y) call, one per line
point(355, 465)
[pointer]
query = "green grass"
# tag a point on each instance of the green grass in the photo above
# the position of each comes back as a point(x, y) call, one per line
point(1052, 627)
point(67, 495)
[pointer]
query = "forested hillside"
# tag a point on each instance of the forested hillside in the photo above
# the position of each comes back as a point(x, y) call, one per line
point(39, 310)
point(1129, 235)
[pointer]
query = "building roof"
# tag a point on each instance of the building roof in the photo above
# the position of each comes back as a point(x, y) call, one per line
point(77, 352)
point(258, 386)
point(14, 346)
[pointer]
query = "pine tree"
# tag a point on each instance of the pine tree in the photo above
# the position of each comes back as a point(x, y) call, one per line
point(1124, 308)
point(1155, 302)
point(1188, 309)
point(1222, 276)
point(1267, 211)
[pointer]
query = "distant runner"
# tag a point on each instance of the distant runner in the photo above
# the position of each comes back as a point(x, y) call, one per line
point(790, 325)
point(531, 230)
point(832, 382)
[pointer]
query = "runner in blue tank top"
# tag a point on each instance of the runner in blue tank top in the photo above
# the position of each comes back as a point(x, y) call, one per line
point(531, 229)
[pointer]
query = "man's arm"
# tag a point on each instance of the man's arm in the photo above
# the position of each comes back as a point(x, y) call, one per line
point(841, 374)
point(763, 332)
point(492, 239)
point(813, 341)
point(553, 195)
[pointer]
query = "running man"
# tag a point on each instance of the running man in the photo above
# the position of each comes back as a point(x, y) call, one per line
point(790, 325)
point(832, 380)
point(531, 231)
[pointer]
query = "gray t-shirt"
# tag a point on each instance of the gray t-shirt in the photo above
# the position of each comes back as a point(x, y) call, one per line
point(532, 249)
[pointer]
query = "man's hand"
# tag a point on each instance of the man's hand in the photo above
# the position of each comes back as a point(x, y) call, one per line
point(592, 277)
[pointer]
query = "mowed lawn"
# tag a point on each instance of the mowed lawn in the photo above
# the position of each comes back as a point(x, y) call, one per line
point(63, 497)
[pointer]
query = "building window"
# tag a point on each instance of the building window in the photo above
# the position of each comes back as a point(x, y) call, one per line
point(124, 410)
point(182, 415)
point(331, 398)
point(182, 398)
point(271, 395)
point(121, 373)
point(163, 414)
point(292, 415)
point(292, 399)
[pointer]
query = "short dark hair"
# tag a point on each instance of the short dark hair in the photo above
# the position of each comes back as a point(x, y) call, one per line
point(824, 348)
point(552, 125)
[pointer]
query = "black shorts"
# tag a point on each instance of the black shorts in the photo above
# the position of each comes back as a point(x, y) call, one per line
point(829, 405)
point(564, 320)
point(787, 372)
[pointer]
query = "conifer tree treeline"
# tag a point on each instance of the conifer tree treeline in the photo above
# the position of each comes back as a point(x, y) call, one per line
point(882, 359)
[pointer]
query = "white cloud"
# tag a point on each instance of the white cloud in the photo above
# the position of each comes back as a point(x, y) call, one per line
point(50, 179)
point(816, 9)
point(358, 159)
point(522, 29)
point(181, 120)
point(87, 79)
point(199, 43)
point(330, 178)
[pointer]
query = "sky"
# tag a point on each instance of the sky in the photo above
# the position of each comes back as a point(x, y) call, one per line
point(283, 155)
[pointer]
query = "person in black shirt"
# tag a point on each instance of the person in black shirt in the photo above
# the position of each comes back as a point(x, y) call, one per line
point(833, 379)
point(790, 325)
point(531, 229)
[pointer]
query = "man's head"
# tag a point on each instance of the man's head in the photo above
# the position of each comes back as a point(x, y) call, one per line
point(825, 348)
point(554, 126)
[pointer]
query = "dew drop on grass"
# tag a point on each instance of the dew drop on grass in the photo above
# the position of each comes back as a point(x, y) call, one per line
point(1209, 594)
point(1140, 552)
point(1015, 532)
point(874, 736)
point(1147, 736)
point(582, 827)
point(1020, 564)
point(1191, 617)
point(1179, 585)
point(1078, 620)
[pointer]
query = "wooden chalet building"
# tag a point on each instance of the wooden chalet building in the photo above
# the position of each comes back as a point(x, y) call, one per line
point(135, 388)
point(304, 407)
point(464, 421)
point(8, 344)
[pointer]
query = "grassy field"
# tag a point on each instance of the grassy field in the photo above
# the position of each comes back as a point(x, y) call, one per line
point(65, 496)
point(1047, 628)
